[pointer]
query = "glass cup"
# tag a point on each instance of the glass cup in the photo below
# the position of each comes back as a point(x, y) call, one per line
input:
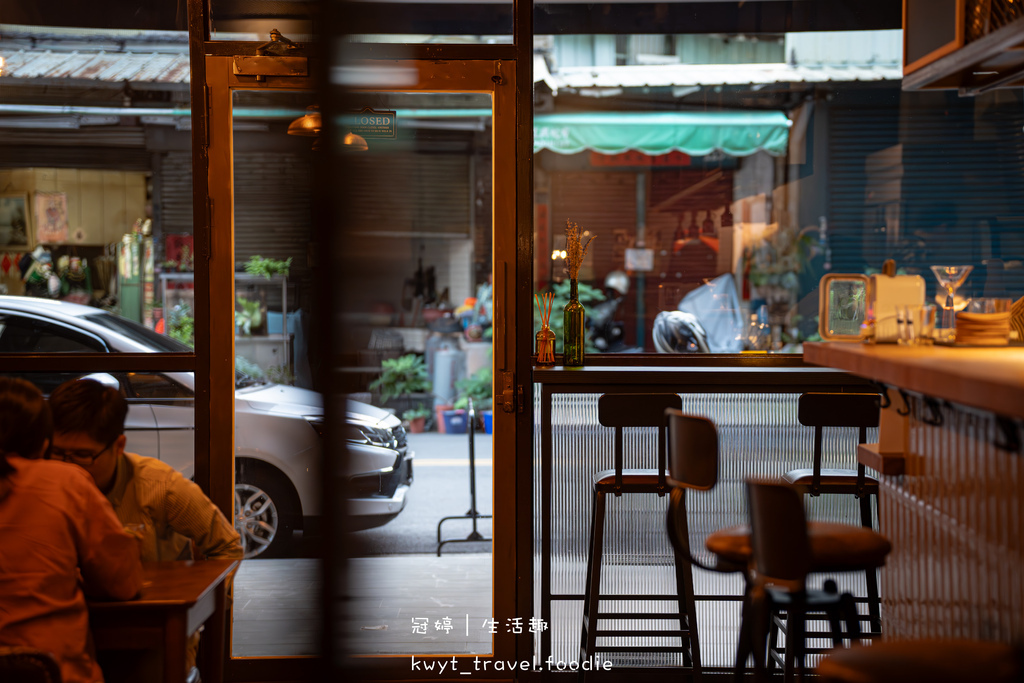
point(904, 325)
point(989, 304)
point(916, 325)
point(924, 324)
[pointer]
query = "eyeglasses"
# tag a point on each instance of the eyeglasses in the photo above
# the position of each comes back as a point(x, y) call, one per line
point(83, 458)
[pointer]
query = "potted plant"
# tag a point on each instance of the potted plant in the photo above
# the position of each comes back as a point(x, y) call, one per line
point(250, 316)
point(267, 267)
point(403, 383)
point(417, 419)
point(477, 387)
point(181, 324)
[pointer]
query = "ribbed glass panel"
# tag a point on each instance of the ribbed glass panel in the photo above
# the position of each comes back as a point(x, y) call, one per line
point(759, 436)
point(956, 523)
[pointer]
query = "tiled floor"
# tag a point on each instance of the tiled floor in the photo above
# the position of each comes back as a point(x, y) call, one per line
point(423, 604)
point(276, 606)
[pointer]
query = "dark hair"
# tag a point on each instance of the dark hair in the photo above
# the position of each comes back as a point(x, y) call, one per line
point(25, 420)
point(84, 406)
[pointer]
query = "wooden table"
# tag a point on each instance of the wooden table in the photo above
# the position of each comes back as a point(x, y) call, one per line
point(989, 378)
point(177, 598)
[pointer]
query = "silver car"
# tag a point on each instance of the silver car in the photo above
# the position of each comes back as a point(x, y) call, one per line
point(278, 429)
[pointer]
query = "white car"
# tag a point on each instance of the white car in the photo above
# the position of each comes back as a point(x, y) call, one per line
point(278, 429)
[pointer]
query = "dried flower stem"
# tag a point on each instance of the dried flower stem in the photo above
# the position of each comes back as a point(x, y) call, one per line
point(575, 250)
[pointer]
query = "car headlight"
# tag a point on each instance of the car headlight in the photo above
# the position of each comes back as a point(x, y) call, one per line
point(373, 436)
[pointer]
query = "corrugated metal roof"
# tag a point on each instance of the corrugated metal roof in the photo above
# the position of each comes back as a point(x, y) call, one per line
point(113, 67)
point(174, 69)
point(713, 74)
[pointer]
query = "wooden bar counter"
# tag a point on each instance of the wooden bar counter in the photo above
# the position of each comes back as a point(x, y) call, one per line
point(954, 511)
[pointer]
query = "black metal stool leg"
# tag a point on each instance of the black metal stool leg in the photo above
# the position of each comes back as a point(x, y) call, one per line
point(871, 575)
point(794, 639)
point(592, 595)
point(773, 641)
point(682, 600)
point(745, 643)
point(852, 617)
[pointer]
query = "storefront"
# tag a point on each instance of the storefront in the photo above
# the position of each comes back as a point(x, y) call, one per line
point(756, 179)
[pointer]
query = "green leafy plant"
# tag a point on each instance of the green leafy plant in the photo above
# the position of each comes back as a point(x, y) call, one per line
point(250, 315)
point(267, 267)
point(587, 294)
point(181, 325)
point(279, 374)
point(477, 387)
point(415, 413)
point(400, 376)
point(248, 369)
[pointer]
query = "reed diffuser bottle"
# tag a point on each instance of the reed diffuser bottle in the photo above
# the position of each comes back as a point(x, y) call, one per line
point(545, 337)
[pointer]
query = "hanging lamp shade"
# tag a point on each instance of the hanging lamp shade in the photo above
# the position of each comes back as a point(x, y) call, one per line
point(308, 125)
point(354, 142)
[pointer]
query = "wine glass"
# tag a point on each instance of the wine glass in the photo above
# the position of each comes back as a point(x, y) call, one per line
point(950, 278)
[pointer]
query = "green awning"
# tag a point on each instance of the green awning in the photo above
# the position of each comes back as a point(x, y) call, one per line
point(738, 134)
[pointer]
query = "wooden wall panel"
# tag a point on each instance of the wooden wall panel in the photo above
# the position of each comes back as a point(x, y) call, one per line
point(102, 204)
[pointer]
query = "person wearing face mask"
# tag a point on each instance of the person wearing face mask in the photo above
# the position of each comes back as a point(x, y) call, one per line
point(174, 518)
point(61, 541)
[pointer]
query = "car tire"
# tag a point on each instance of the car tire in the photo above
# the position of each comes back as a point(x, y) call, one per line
point(265, 510)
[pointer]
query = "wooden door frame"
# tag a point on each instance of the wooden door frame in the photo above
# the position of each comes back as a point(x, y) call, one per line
point(496, 78)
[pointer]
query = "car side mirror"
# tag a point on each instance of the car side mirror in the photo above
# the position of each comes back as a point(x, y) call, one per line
point(104, 378)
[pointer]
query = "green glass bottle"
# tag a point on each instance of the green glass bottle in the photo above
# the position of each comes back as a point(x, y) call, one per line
point(574, 332)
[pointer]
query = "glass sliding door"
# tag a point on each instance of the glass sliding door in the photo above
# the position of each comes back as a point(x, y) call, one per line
point(424, 267)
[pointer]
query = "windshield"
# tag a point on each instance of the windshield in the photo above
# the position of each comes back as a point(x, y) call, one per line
point(138, 333)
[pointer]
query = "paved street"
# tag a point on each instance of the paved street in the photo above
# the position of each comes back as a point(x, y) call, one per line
point(440, 488)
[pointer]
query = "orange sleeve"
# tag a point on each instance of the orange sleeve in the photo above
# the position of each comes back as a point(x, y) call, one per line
point(108, 556)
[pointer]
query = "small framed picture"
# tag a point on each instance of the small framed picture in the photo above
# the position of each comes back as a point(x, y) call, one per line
point(51, 217)
point(15, 222)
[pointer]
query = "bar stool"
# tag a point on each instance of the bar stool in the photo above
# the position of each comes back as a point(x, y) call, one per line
point(785, 550)
point(924, 661)
point(620, 411)
point(820, 410)
point(693, 465)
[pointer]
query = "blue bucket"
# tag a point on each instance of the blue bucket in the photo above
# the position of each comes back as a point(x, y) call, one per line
point(455, 421)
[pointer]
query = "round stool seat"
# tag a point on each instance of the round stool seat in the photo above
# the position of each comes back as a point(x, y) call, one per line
point(834, 547)
point(922, 661)
point(846, 478)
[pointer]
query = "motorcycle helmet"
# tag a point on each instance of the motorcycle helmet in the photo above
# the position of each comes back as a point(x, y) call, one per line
point(679, 332)
point(618, 281)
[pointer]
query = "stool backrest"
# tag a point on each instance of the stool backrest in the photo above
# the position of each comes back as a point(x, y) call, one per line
point(778, 533)
point(637, 410)
point(692, 464)
point(692, 451)
point(820, 410)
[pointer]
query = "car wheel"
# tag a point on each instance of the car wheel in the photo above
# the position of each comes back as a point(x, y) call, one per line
point(262, 514)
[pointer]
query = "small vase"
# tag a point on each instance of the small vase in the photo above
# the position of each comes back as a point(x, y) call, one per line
point(574, 332)
point(545, 346)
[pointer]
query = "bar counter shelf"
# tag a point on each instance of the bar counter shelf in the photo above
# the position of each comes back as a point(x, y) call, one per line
point(952, 487)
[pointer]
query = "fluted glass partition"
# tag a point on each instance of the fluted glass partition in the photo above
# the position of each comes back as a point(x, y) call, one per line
point(759, 436)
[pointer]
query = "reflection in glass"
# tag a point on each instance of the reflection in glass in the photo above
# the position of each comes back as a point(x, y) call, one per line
point(846, 306)
point(415, 306)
